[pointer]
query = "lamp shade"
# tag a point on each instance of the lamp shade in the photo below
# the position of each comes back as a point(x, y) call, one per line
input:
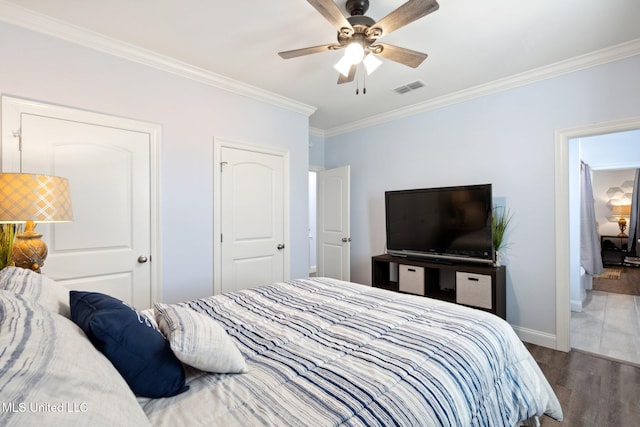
point(622, 210)
point(38, 198)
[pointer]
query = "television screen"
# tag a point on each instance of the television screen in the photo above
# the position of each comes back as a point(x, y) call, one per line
point(446, 222)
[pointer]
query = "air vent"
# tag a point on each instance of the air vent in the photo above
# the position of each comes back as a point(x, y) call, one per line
point(409, 87)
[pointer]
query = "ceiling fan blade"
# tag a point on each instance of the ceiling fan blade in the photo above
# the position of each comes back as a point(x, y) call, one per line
point(308, 50)
point(408, 57)
point(332, 13)
point(405, 14)
point(352, 74)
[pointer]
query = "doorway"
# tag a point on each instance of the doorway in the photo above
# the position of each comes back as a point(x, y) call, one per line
point(334, 223)
point(604, 318)
point(313, 222)
point(567, 240)
point(329, 222)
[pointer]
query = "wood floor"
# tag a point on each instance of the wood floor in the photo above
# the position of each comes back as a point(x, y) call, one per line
point(593, 392)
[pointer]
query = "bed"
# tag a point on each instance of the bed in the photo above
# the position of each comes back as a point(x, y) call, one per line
point(309, 352)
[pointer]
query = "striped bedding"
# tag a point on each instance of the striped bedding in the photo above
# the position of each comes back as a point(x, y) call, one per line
point(322, 352)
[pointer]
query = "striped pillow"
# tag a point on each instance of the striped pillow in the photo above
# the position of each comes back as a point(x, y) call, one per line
point(198, 340)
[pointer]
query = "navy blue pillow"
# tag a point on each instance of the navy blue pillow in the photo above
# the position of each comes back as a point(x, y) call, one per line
point(137, 350)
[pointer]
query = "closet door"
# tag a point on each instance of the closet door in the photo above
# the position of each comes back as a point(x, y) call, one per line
point(252, 219)
point(107, 247)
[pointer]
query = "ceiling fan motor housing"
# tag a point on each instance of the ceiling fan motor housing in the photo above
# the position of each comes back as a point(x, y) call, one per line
point(359, 21)
point(357, 7)
point(360, 24)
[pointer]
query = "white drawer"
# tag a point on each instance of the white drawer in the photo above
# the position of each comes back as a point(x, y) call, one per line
point(473, 289)
point(411, 279)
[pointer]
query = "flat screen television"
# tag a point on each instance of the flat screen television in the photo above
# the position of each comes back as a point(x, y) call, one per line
point(446, 223)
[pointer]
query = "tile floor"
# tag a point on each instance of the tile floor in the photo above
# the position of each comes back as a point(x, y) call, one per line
point(609, 325)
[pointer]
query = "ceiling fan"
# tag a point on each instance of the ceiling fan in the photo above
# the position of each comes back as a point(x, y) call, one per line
point(358, 35)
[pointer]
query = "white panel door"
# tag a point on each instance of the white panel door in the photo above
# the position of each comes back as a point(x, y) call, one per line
point(334, 228)
point(252, 218)
point(105, 247)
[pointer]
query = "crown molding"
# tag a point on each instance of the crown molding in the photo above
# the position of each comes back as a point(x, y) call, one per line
point(599, 57)
point(17, 15)
point(314, 131)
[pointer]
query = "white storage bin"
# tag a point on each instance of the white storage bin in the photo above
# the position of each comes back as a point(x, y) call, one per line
point(473, 289)
point(411, 279)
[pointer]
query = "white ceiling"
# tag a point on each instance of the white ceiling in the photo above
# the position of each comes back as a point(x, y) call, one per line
point(474, 46)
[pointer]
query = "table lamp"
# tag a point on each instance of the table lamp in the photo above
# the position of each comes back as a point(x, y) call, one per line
point(621, 211)
point(31, 198)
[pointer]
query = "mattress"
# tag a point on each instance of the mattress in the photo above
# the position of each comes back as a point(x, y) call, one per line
point(323, 352)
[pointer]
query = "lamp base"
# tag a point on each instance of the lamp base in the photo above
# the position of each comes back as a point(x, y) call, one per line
point(622, 224)
point(29, 251)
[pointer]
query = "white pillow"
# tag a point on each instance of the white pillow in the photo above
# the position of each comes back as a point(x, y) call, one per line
point(38, 288)
point(51, 375)
point(198, 340)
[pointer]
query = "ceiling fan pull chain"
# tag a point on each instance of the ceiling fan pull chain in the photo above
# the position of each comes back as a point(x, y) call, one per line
point(364, 83)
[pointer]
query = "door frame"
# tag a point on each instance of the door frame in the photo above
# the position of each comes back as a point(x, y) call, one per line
point(563, 247)
point(218, 145)
point(10, 112)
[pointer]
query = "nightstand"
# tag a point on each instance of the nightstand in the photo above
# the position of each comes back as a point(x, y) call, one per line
point(614, 249)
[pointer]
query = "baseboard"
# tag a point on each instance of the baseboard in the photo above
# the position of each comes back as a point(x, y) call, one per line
point(536, 337)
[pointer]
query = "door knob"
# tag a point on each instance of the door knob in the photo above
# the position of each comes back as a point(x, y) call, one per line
point(346, 239)
point(142, 259)
point(280, 246)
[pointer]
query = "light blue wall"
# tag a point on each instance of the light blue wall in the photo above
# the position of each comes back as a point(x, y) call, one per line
point(316, 151)
point(613, 151)
point(50, 70)
point(506, 139)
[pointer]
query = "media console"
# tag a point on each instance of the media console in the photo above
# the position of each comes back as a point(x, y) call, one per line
point(474, 285)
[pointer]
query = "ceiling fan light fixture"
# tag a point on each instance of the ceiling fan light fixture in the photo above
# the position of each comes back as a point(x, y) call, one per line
point(371, 63)
point(343, 66)
point(358, 35)
point(354, 52)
